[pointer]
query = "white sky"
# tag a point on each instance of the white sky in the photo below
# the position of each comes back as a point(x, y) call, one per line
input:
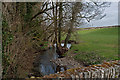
point(111, 17)
point(56, 0)
point(104, 0)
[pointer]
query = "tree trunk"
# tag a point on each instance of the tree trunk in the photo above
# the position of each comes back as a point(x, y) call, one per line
point(55, 22)
point(60, 24)
point(71, 26)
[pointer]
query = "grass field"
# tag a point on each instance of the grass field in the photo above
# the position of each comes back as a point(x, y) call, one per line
point(103, 42)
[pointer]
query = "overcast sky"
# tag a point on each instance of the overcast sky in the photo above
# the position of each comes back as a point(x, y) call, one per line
point(110, 19)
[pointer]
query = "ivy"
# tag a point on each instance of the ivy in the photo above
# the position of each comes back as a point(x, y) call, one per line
point(7, 35)
point(7, 38)
point(28, 14)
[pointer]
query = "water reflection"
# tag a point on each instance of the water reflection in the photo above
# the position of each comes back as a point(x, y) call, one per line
point(62, 44)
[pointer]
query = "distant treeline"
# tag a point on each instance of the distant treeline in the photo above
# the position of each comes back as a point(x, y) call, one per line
point(100, 27)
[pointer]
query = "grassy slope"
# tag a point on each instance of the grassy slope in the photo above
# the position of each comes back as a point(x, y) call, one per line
point(100, 41)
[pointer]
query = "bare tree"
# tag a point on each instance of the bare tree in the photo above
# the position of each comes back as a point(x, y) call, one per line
point(75, 10)
point(83, 12)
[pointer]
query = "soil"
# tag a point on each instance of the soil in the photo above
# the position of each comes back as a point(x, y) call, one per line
point(68, 62)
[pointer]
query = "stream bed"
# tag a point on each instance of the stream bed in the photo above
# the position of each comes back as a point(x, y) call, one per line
point(45, 66)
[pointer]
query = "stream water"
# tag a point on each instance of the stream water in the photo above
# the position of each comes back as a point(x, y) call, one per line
point(45, 66)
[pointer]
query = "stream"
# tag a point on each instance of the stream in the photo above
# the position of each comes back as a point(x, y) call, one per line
point(45, 66)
